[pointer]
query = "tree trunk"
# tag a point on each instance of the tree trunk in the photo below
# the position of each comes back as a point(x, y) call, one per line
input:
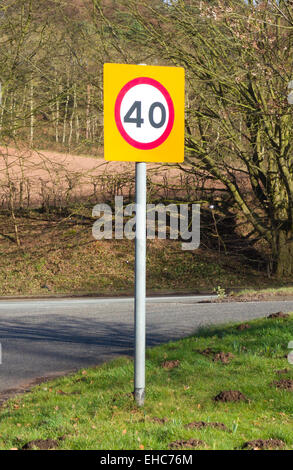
point(283, 254)
point(88, 105)
point(32, 112)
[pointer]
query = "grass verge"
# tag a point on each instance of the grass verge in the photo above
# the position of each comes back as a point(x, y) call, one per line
point(58, 255)
point(94, 408)
point(263, 293)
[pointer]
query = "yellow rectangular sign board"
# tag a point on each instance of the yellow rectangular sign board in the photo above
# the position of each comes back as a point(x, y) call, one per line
point(143, 113)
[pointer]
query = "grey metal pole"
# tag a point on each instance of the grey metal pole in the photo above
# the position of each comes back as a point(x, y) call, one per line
point(140, 283)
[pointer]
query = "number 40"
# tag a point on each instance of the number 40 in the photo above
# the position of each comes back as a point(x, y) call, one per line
point(135, 110)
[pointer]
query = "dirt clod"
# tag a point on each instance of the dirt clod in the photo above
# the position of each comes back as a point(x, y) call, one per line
point(220, 356)
point(42, 444)
point(285, 384)
point(203, 424)
point(223, 357)
point(170, 364)
point(190, 444)
point(230, 396)
point(243, 326)
point(278, 315)
point(264, 444)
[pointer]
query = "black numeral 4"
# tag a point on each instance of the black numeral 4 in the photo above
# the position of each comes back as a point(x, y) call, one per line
point(136, 107)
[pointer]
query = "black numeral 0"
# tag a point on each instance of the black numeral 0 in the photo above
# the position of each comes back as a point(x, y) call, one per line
point(157, 125)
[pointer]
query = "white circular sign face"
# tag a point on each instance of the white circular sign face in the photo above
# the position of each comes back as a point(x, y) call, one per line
point(144, 113)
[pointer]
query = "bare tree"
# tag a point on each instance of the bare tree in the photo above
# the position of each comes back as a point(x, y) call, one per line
point(239, 128)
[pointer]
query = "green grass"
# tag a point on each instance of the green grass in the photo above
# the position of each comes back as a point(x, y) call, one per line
point(94, 409)
point(270, 291)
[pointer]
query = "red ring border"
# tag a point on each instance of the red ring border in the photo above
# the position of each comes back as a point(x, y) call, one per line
point(144, 81)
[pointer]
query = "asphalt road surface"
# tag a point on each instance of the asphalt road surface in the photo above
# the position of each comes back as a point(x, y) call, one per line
point(41, 338)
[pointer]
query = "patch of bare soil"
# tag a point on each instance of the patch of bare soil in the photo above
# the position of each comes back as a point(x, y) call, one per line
point(282, 371)
point(39, 176)
point(159, 420)
point(223, 357)
point(284, 384)
point(189, 444)
point(220, 356)
point(264, 444)
point(42, 444)
point(230, 396)
point(278, 315)
point(203, 424)
point(243, 326)
point(170, 364)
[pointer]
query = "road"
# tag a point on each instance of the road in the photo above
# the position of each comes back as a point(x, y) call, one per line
point(46, 337)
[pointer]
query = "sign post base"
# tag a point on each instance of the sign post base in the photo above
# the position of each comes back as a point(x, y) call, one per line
point(139, 394)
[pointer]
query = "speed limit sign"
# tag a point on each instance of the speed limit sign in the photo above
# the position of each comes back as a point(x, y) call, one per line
point(143, 113)
point(143, 122)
